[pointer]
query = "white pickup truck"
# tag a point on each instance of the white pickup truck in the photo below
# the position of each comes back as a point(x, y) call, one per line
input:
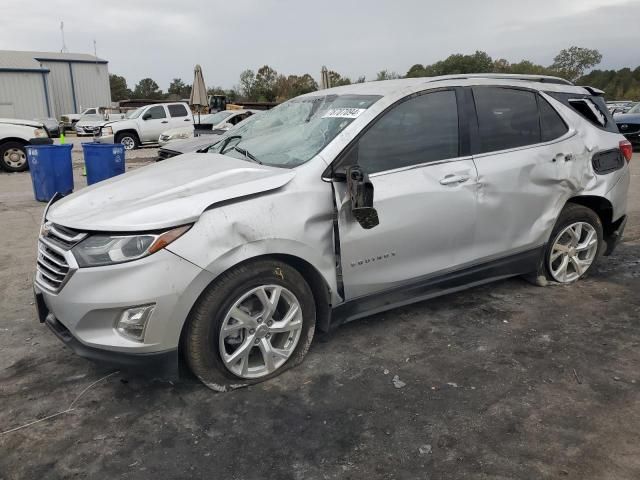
point(15, 135)
point(144, 125)
point(69, 120)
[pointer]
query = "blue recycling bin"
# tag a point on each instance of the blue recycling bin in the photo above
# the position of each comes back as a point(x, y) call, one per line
point(103, 160)
point(51, 170)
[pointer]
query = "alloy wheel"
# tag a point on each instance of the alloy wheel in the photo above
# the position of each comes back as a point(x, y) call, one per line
point(260, 331)
point(573, 252)
point(14, 158)
point(128, 142)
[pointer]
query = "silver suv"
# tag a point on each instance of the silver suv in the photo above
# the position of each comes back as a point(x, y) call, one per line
point(332, 206)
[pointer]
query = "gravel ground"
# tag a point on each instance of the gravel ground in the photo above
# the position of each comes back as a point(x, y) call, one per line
point(505, 381)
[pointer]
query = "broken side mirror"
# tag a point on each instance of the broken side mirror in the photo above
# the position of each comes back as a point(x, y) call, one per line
point(361, 194)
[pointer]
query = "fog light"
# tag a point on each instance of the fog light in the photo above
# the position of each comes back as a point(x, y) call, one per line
point(133, 322)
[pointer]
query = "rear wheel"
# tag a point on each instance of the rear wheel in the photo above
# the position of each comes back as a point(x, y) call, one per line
point(13, 157)
point(129, 140)
point(575, 245)
point(253, 323)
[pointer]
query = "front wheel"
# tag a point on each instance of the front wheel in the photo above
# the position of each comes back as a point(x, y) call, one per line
point(253, 323)
point(575, 245)
point(129, 140)
point(13, 157)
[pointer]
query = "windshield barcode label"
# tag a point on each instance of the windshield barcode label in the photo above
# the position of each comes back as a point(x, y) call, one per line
point(344, 112)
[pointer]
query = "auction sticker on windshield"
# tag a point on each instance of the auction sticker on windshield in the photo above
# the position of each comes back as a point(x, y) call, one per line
point(343, 112)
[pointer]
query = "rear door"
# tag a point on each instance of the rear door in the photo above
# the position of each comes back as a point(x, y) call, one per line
point(424, 193)
point(180, 116)
point(154, 122)
point(525, 167)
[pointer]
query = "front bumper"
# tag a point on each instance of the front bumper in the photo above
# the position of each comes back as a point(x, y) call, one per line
point(104, 139)
point(84, 313)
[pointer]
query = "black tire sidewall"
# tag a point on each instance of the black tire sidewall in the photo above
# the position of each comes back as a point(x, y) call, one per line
point(573, 213)
point(204, 324)
point(6, 146)
point(133, 136)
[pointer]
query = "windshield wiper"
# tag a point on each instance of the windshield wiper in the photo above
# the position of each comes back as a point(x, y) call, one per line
point(247, 154)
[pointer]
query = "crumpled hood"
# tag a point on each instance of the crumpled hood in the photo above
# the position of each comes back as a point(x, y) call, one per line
point(169, 193)
point(16, 121)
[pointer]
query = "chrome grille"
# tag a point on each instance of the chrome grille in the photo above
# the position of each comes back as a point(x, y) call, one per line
point(53, 269)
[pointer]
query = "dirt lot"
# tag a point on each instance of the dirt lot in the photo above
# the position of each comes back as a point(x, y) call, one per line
point(506, 381)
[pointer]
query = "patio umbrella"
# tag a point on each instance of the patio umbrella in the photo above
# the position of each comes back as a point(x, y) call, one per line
point(198, 91)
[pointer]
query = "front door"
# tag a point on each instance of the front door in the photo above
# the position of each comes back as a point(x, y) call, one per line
point(424, 193)
point(154, 122)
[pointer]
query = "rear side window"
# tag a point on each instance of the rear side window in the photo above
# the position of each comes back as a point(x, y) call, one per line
point(551, 124)
point(178, 110)
point(420, 130)
point(156, 112)
point(507, 118)
point(589, 107)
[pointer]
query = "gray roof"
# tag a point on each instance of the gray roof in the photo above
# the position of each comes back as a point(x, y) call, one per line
point(16, 60)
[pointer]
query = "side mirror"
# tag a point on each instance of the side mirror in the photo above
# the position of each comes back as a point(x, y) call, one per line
point(361, 194)
point(146, 116)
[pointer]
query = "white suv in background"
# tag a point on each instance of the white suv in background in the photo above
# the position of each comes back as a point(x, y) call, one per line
point(144, 125)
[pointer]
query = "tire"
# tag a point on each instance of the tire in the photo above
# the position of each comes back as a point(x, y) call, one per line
point(129, 140)
point(577, 241)
point(13, 157)
point(210, 353)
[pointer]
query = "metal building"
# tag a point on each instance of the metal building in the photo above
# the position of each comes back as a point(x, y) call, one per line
point(47, 84)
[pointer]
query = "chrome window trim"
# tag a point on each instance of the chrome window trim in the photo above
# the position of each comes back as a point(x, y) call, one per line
point(420, 165)
point(570, 133)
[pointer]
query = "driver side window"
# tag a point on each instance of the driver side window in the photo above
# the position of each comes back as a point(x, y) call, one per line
point(156, 112)
point(419, 130)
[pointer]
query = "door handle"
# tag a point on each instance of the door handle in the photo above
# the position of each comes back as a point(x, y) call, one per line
point(453, 179)
point(187, 120)
point(164, 121)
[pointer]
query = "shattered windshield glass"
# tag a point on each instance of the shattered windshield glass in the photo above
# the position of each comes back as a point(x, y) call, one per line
point(294, 132)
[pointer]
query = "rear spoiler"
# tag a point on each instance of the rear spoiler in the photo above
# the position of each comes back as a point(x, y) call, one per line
point(596, 92)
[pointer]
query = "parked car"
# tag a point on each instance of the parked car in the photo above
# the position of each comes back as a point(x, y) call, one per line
point(629, 124)
point(15, 135)
point(200, 142)
point(89, 124)
point(188, 145)
point(69, 120)
point(333, 206)
point(51, 125)
point(206, 124)
point(144, 125)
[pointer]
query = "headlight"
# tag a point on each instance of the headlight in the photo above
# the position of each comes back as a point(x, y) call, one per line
point(97, 250)
point(106, 131)
point(40, 133)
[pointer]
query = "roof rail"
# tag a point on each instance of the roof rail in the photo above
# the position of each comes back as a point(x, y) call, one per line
point(507, 76)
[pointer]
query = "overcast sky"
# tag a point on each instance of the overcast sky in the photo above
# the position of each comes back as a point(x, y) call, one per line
point(164, 39)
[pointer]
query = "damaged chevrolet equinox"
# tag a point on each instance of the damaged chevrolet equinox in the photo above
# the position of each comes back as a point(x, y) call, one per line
point(332, 206)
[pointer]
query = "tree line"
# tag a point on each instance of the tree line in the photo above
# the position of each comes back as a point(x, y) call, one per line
point(267, 85)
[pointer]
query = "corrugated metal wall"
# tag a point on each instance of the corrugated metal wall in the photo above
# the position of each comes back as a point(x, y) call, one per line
point(22, 95)
point(60, 88)
point(91, 82)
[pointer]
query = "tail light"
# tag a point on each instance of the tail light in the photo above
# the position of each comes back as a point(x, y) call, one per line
point(626, 149)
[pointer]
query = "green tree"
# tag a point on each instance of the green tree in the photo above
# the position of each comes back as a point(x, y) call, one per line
point(119, 89)
point(265, 84)
point(178, 87)
point(416, 70)
point(337, 80)
point(572, 62)
point(386, 75)
point(147, 88)
point(248, 84)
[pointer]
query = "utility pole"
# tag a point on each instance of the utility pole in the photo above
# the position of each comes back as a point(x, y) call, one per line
point(64, 45)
